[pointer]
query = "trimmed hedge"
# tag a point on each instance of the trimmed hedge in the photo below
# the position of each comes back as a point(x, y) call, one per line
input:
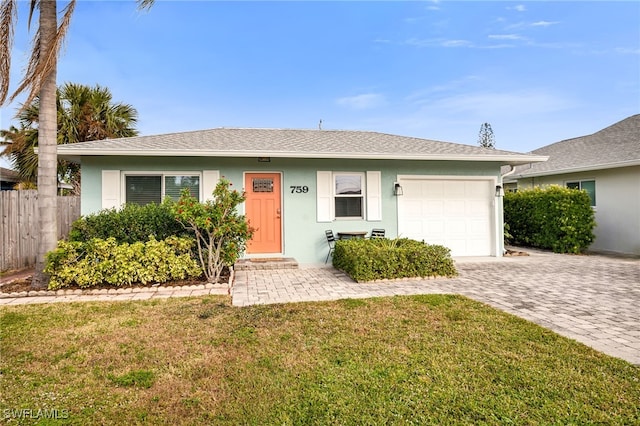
point(381, 258)
point(130, 224)
point(99, 262)
point(555, 218)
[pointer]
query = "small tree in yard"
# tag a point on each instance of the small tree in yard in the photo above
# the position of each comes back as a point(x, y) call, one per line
point(221, 233)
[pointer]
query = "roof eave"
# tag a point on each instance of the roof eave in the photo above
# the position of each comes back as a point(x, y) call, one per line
point(74, 154)
point(568, 170)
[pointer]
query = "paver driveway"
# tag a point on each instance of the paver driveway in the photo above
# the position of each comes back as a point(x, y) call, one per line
point(592, 299)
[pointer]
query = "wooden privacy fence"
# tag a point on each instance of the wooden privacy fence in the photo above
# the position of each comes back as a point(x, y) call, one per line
point(19, 226)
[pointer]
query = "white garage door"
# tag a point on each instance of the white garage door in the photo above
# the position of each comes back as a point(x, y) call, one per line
point(457, 214)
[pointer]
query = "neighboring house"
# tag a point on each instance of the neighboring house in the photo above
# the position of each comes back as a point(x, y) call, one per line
point(8, 179)
point(607, 165)
point(300, 183)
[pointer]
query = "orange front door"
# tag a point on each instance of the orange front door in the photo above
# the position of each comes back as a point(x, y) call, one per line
point(263, 211)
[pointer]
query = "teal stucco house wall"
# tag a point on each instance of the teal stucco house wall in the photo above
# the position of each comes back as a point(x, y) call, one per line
point(300, 183)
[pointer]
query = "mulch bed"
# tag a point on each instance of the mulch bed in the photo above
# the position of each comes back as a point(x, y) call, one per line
point(23, 283)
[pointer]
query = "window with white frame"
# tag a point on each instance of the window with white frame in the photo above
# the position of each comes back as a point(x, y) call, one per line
point(348, 195)
point(585, 185)
point(153, 188)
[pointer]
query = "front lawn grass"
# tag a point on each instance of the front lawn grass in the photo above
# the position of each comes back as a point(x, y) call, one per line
point(434, 359)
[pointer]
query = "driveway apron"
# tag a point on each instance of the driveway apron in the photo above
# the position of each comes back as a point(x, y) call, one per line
point(592, 299)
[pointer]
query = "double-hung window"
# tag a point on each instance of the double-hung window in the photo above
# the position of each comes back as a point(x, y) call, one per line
point(348, 195)
point(153, 188)
point(586, 185)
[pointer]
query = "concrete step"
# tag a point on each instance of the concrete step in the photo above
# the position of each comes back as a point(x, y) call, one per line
point(266, 263)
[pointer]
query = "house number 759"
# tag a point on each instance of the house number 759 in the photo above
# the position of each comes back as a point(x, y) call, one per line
point(299, 189)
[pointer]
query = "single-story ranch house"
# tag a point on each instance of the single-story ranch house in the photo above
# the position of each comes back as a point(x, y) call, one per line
point(300, 183)
point(607, 165)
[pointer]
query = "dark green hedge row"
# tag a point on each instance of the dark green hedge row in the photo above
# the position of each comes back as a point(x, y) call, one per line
point(127, 225)
point(380, 258)
point(555, 218)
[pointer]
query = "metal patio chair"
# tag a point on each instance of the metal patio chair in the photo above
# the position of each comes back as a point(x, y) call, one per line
point(331, 241)
point(377, 233)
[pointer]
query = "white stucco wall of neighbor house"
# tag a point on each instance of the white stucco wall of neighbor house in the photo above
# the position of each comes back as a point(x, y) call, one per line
point(303, 235)
point(617, 209)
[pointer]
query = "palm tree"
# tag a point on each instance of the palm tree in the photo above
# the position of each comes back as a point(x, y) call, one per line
point(18, 148)
point(40, 79)
point(83, 114)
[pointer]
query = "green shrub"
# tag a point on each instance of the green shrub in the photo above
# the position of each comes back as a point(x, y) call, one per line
point(221, 232)
point(555, 218)
point(367, 260)
point(129, 224)
point(98, 262)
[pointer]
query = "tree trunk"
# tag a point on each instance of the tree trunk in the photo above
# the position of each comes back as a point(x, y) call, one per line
point(47, 155)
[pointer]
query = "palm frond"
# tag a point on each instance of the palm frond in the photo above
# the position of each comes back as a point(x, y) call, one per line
point(32, 7)
point(8, 14)
point(42, 63)
point(145, 4)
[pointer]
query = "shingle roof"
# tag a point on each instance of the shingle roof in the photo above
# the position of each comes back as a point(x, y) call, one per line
point(291, 143)
point(8, 175)
point(615, 146)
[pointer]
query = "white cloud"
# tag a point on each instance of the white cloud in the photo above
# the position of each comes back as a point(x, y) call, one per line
point(627, 50)
point(437, 42)
point(424, 95)
point(456, 43)
point(434, 5)
point(506, 37)
point(544, 23)
point(364, 101)
point(518, 8)
point(502, 104)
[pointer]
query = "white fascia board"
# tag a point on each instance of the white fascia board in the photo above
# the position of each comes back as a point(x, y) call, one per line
point(506, 159)
point(593, 168)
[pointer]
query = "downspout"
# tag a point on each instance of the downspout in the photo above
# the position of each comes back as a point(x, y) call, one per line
point(501, 216)
point(509, 173)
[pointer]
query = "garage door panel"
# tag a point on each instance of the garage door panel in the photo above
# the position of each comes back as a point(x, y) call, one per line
point(477, 227)
point(479, 247)
point(457, 245)
point(431, 190)
point(454, 189)
point(454, 213)
point(433, 207)
point(454, 208)
point(477, 208)
point(412, 189)
point(456, 227)
point(434, 227)
point(413, 208)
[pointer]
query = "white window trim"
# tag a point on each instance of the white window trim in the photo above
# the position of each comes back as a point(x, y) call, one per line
point(579, 182)
point(363, 191)
point(162, 174)
point(114, 183)
point(371, 182)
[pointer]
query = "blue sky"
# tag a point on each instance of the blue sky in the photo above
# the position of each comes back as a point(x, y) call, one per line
point(538, 72)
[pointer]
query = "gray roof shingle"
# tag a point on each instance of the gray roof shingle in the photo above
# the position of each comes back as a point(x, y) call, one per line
point(292, 143)
point(8, 175)
point(615, 146)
